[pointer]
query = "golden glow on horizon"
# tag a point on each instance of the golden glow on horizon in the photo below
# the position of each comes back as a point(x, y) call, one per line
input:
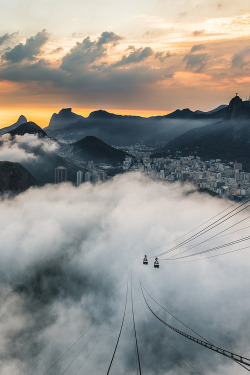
point(41, 116)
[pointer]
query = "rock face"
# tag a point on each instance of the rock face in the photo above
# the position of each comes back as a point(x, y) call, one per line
point(14, 177)
point(63, 119)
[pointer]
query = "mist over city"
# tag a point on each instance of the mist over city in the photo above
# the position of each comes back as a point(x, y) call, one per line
point(124, 187)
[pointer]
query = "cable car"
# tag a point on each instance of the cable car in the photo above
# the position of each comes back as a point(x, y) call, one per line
point(145, 260)
point(156, 263)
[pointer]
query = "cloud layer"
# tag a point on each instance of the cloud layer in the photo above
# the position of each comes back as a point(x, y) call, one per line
point(106, 70)
point(67, 254)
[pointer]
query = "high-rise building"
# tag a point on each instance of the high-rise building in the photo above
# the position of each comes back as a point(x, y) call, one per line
point(79, 178)
point(103, 176)
point(60, 175)
point(87, 177)
point(95, 176)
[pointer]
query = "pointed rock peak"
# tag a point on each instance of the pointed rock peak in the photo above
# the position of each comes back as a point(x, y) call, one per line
point(22, 119)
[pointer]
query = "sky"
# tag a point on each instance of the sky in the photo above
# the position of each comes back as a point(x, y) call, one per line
point(145, 57)
point(67, 254)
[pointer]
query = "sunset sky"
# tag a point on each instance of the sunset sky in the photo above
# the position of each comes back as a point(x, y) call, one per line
point(146, 57)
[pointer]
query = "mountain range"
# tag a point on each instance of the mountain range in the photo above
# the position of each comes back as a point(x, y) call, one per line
point(228, 139)
point(220, 133)
point(126, 130)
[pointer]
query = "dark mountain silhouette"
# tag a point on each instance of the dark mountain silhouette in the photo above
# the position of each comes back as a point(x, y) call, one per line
point(28, 128)
point(14, 177)
point(46, 160)
point(228, 139)
point(21, 120)
point(126, 130)
point(188, 114)
point(222, 106)
point(63, 119)
point(92, 148)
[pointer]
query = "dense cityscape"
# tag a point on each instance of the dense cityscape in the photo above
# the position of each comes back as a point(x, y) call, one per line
point(214, 176)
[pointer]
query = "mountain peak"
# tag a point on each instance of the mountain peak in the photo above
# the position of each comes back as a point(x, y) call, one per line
point(103, 114)
point(21, 120)
point(28, 128)
point(64, 118)
point(235, 108)
point(65, 112)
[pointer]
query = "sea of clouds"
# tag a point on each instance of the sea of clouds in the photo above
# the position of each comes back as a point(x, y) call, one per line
point(67, 254)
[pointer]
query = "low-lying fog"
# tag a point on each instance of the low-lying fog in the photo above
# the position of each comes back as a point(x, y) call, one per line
point(66, 256)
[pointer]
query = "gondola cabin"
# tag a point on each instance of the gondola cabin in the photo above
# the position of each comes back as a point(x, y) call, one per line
point(145, 260)
point(156, 263)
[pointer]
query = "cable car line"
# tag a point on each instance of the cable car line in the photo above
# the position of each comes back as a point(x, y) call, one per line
point(217, 255)
point(206, 229)
point(236, 357)
point(213, 217)
point(173, 315)
point(91, 350)
point(185, 326)
point(136, 342)
point(177, 351)
point(215, 236)
point(71, 346)
point(74, 358)
point(203, 231)
point(208, 250)
point(117, 342)
point(235, 231)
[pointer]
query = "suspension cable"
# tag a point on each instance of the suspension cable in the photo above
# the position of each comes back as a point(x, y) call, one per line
point(215, 236)
point(136, 342)
point(173, 315)
point(74, 358)
point(209, 250)
point(237, 358)
point(66, 351)
point(216, 255)
point(207, 229)
point(200, 225)
point(117, 342)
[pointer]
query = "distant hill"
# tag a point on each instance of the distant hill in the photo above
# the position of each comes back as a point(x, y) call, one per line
point(14, 177)
point(92, 148)
point(222, 106)
point(228, 139)
point(28, 128)
point(126, 130)
point(21, 120)
point(46, 159)
point(186, 113)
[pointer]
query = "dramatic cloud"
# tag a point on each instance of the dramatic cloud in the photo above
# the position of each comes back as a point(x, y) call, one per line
point(87, 52)
point(241, 58)
point(28, 51)
point(197, 47)
point(4, 38)
point(135, 56)
point(38, 155)
point(195, 62)
point(66, 256)
point(10, 151)
point(163, 56)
